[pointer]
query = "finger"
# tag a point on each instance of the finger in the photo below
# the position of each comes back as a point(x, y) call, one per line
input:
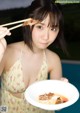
point(64, 79)
point(4, 29)
point(4, 32)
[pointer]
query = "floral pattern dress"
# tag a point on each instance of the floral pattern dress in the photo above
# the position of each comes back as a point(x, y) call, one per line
point(12, 82)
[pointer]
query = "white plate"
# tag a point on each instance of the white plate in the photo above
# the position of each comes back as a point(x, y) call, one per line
point(59, 87)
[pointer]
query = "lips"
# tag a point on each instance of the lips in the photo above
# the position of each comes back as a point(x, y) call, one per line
point(44, 42)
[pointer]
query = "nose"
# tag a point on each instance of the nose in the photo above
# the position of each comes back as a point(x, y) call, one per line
point(46, 34)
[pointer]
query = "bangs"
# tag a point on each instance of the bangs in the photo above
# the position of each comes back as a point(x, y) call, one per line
point(54, 20)
point(40, 14)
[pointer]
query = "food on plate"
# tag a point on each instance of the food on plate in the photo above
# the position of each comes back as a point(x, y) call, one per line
point(51, 98)
point(30, 22)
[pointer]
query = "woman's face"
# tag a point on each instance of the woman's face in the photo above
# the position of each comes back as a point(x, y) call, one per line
point(43, 35)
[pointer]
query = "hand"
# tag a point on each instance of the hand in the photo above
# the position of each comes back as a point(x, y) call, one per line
point(64, 79)
point(3, 32)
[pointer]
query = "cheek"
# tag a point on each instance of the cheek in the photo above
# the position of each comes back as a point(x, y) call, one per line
point(35, 37)
point(53, 37)
point(34, 34)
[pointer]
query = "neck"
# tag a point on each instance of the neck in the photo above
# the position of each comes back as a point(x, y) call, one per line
point(35, 50)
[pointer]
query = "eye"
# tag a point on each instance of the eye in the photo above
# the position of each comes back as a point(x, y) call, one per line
point(54, 28)
point(39, 26)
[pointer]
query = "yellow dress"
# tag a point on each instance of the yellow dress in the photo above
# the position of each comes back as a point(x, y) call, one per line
point(12, 82)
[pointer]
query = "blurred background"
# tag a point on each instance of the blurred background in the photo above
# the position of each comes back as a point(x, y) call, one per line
point(15, 10)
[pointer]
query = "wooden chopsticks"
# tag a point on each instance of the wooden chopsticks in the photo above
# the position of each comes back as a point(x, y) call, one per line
point(17, 26)
point(16, 22)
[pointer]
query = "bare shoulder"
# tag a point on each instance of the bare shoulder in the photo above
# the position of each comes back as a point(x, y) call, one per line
point(52, 55)
point(14, 47)
point(12, 52)
point(53, 59)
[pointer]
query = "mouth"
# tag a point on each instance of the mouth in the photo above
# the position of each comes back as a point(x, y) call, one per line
point(44, 43)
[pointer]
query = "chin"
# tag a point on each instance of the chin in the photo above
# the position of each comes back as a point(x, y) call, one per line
point(43, 47)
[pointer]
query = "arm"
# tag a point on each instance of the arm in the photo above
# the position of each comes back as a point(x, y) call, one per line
point(3, 32)
point(55, 67)
point(3, 44)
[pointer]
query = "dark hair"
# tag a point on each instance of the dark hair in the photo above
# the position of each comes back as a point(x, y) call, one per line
point(39, 9)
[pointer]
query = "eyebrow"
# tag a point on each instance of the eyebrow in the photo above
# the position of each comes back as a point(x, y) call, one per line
point(44, 24)
point(40, 23)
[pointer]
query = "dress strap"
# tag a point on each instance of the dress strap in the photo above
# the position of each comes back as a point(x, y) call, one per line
point(44, 56)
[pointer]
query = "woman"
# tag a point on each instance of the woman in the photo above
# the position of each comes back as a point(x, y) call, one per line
point(28, 61)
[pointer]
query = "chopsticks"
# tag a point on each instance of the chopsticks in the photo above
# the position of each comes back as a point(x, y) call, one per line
point(17, 26)
point(16, 22)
